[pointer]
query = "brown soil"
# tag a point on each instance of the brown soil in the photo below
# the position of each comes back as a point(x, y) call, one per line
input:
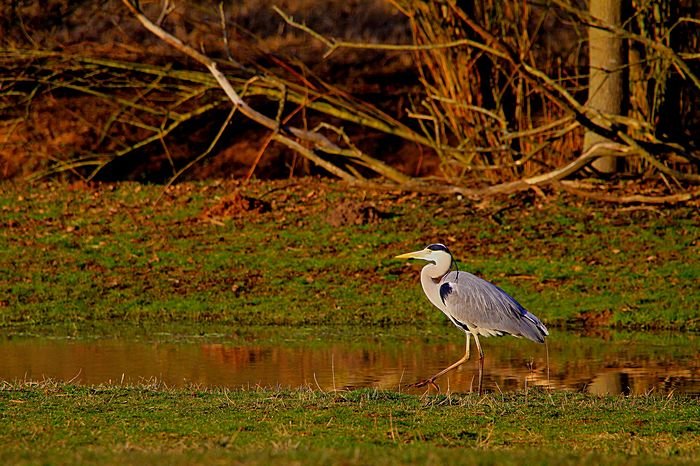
point(236, 205)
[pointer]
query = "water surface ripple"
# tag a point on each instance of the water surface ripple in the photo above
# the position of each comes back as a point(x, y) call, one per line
point(628, 363)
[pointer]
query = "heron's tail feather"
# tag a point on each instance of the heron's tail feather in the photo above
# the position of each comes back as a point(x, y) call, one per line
point(536, 330)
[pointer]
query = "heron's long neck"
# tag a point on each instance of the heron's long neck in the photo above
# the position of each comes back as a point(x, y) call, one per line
point(430, 279)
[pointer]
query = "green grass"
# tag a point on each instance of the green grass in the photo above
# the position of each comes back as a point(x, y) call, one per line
point(106, 260)
point(108, 252)
point(49, 423)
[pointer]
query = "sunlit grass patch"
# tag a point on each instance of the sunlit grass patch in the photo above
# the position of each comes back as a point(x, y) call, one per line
point(81, 424)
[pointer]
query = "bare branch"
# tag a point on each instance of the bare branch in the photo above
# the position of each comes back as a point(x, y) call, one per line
point(496, 48)
point(280, 133)
point(238, 102)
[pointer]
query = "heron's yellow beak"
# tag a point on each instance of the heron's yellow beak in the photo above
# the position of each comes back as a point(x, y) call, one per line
point(414, 255)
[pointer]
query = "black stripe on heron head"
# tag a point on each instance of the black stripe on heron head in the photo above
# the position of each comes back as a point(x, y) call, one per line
point(439, 247)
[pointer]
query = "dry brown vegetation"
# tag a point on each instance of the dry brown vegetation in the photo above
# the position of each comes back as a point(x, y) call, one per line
point(490, 92)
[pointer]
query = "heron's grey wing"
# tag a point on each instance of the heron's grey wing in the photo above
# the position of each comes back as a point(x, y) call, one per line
point(484, 309)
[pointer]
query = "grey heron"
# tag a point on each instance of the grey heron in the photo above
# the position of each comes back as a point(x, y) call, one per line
point(474, 305)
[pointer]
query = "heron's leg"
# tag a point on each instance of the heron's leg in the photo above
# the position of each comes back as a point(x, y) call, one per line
point(481, 378)
point(481, 363)
point(431, 380)
point(478, 346)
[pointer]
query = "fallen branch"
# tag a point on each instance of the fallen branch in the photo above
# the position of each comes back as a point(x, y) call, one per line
point(601, 149)
point(556, 178)
point(281, 133)
point(339, 161)
point(564, 185)
point(631, 199)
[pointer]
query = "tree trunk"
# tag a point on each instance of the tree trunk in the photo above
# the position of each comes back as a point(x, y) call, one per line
point(605, 82)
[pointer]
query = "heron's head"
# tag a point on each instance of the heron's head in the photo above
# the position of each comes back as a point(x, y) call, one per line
point(437, 253)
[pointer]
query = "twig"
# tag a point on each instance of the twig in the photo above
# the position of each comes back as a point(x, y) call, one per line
point(192, 162)
point(258, 157)
point(224, 32)
point(332, 44)
point(168, 7)
point(266, 143)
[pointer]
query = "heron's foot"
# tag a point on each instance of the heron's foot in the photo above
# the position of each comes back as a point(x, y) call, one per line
point(425, 382)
